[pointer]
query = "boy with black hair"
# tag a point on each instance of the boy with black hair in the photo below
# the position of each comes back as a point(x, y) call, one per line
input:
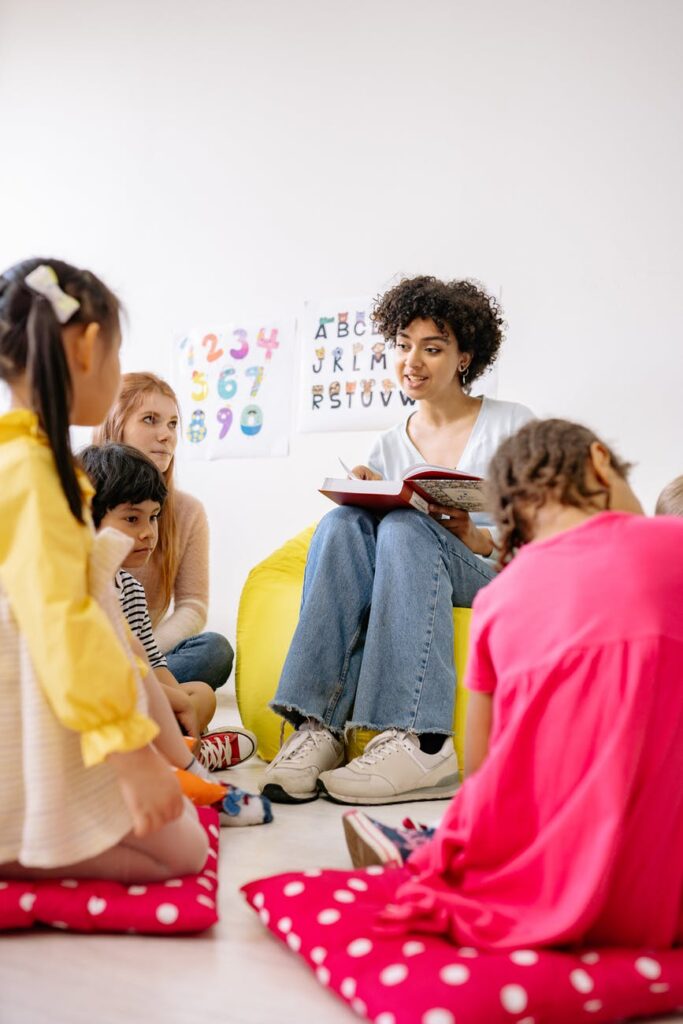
point(129, 497)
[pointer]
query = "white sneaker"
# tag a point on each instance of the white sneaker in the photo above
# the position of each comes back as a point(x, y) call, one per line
point(393, 769)
point(292, 776)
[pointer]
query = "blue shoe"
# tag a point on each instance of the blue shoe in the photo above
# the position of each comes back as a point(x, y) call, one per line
point(371, 842)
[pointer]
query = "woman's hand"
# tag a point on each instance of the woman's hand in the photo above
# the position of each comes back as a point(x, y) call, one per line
point(460, 524)
point(364, 473)
point(149, 788)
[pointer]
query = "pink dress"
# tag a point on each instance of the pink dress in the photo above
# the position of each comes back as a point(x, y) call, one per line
point(572, 829)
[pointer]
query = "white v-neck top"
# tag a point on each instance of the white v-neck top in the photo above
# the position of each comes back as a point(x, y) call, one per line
point(393, 452)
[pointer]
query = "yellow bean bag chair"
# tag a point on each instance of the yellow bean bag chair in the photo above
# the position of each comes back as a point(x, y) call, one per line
point(266, 620)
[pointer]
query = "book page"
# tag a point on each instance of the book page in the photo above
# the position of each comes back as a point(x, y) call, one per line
point(464, 494)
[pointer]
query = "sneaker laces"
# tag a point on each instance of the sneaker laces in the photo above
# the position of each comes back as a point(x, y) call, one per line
point(300, 743)
point(379, 747)
point(216, 752)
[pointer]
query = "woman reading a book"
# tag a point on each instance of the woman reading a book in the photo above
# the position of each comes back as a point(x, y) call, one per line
point(373, 647)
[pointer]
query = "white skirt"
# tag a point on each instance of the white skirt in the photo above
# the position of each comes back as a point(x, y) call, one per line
point(53, 810)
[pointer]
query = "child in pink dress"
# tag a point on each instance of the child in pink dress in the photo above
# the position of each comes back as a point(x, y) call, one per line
point(570, 826)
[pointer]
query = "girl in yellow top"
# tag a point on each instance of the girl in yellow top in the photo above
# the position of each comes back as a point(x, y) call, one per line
point(95, 798)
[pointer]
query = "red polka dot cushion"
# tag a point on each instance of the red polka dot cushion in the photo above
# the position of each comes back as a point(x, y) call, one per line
point(186, 904)
point(326, 918)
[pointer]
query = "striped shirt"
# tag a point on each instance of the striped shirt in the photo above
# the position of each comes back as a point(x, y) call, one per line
point(134, 607)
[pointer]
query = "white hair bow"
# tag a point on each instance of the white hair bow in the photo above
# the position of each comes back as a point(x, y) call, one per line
point(45, 282)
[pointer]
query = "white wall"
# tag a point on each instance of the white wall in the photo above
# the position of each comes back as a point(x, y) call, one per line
point(219, 157)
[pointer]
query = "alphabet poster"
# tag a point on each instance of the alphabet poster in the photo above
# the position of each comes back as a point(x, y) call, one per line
point(347, 370)
point(234, 389)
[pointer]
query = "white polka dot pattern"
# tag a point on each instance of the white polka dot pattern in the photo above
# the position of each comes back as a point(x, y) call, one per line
point(524, 957)
point(167, 913)
point(323, 975)
point(454, 974)
point(513, 998)
point(359, 947)
point(294, 888)
point(343, 896)
point(329, 916)
point(348, 988)
point(438, 1016)
point(394, 974)
point(582, 981)
point(96, 906)
point(649, 968)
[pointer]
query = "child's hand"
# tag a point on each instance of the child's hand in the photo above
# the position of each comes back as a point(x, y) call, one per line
point(460, 524)
point(184, 711)
point(149, 788)
point(364, 473)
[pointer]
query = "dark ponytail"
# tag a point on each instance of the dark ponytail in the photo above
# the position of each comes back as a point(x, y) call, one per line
point(31, 343)
point(49, 383)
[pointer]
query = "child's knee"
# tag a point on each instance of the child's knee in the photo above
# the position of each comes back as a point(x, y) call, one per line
point(203, 700)
point(190, 847)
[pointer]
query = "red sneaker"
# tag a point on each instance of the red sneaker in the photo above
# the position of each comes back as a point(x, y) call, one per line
point(224, 748)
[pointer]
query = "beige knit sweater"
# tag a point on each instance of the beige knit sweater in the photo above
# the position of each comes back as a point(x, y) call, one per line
point(191, 590)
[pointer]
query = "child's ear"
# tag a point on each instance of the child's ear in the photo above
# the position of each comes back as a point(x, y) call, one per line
point(601, 463)
point(80, 345)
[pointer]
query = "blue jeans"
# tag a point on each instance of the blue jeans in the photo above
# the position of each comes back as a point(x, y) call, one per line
point(206, 658)
point(374, 645)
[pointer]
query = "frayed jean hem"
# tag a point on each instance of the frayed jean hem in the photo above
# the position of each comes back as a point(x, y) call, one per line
point(296, 715)
point(438, 730)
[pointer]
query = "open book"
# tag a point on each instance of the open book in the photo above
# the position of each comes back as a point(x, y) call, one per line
point(421, 486)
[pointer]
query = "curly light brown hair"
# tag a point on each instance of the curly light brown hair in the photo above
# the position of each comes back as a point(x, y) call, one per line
point(545, 460)
point(475, 317)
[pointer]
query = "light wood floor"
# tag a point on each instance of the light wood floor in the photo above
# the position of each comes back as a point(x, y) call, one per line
point(236, 974)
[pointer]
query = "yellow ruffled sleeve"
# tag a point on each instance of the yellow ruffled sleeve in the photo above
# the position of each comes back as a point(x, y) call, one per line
point(84, 671)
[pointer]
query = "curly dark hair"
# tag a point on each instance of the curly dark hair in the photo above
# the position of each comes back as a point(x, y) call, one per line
point(475, 317)
point(545, 459)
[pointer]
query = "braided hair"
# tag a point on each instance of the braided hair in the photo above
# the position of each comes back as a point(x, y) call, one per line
point(546, 459)
point(31, 344)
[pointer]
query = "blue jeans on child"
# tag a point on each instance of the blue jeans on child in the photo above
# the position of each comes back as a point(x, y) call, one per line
point(206, 657)
point(374, 644)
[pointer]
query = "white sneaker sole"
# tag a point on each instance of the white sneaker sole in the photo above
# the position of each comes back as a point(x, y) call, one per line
point(366, 844)
point(410, 796)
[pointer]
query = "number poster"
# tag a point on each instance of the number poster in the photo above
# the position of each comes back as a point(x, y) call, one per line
point(234, 389)
point(347, 370)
